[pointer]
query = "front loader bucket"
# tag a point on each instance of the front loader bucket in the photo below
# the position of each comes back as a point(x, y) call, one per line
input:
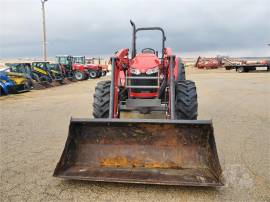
point(147, 151)
point(67, 81)
point(56, 83)
point(38, 86)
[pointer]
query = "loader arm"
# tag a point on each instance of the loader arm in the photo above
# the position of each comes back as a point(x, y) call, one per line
point(119, 63)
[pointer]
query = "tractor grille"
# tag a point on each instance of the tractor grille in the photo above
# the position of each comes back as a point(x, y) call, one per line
point(144, 84)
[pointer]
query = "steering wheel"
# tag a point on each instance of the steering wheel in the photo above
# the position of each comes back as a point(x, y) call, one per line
point(148, 50)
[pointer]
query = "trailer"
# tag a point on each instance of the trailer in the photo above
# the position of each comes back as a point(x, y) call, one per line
point(246, 66)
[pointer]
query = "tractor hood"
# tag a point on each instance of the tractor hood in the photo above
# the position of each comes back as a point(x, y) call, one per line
point(86, 67)
point(93, 67)
point(144, 61)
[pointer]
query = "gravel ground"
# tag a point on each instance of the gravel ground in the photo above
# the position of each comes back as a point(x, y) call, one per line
point(34, 128)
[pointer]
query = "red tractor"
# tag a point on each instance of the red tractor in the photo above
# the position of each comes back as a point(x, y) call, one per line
point(178, 150)
point(83, 71)
point(145, 83)
point(97, 61)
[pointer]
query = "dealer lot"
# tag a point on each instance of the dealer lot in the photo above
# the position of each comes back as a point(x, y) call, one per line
point(34, 128)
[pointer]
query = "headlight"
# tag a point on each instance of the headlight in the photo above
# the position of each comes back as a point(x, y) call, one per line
point(152, 71)
point(135, 71)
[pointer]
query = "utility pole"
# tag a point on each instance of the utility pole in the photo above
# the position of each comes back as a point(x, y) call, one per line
point(44, 42)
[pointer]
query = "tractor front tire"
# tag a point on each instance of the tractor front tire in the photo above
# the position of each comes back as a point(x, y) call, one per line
point(27, 86)
point(62, 81)
point(93, 74)
point(186, 104)
point(104, 73)
point(36, 77)
point(2, 92)
point(101, 102)
point(79, 76)
point(45, 79)
point(99, 74)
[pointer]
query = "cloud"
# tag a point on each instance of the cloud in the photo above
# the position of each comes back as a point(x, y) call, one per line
point(92, 27)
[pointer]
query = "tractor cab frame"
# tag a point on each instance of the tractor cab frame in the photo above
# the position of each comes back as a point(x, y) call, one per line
point(66, 62)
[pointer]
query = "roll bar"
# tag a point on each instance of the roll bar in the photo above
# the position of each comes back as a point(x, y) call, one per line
point(135, 30)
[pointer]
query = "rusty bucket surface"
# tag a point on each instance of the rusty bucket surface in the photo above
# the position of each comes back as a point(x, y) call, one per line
point(143, 151)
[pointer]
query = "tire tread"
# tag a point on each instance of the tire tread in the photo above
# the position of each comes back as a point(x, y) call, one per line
point(186, 100)
point(101, 102)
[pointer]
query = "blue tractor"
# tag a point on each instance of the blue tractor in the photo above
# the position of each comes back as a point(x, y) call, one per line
point(11, 82)
point(6, 85)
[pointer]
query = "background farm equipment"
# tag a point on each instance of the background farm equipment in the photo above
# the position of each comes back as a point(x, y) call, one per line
point(208, 63)
point(47, 74)
point(56, 72)
point(178, 150)
point(6, 85)
point(75, 67)
point(83, 70)
point(80, 70)
point(13, 83)
point(245, 65)
point(100, 62)
point(41, 72)
point(66, 61)
point(26, 70)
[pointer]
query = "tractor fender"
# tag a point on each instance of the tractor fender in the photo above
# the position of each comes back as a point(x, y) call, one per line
point(92, 67)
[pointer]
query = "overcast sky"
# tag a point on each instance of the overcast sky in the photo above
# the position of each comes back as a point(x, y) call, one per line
point(100, 27)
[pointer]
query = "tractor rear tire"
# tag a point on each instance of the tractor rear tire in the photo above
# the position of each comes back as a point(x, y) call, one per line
point(101, 102)
point(186, 104)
